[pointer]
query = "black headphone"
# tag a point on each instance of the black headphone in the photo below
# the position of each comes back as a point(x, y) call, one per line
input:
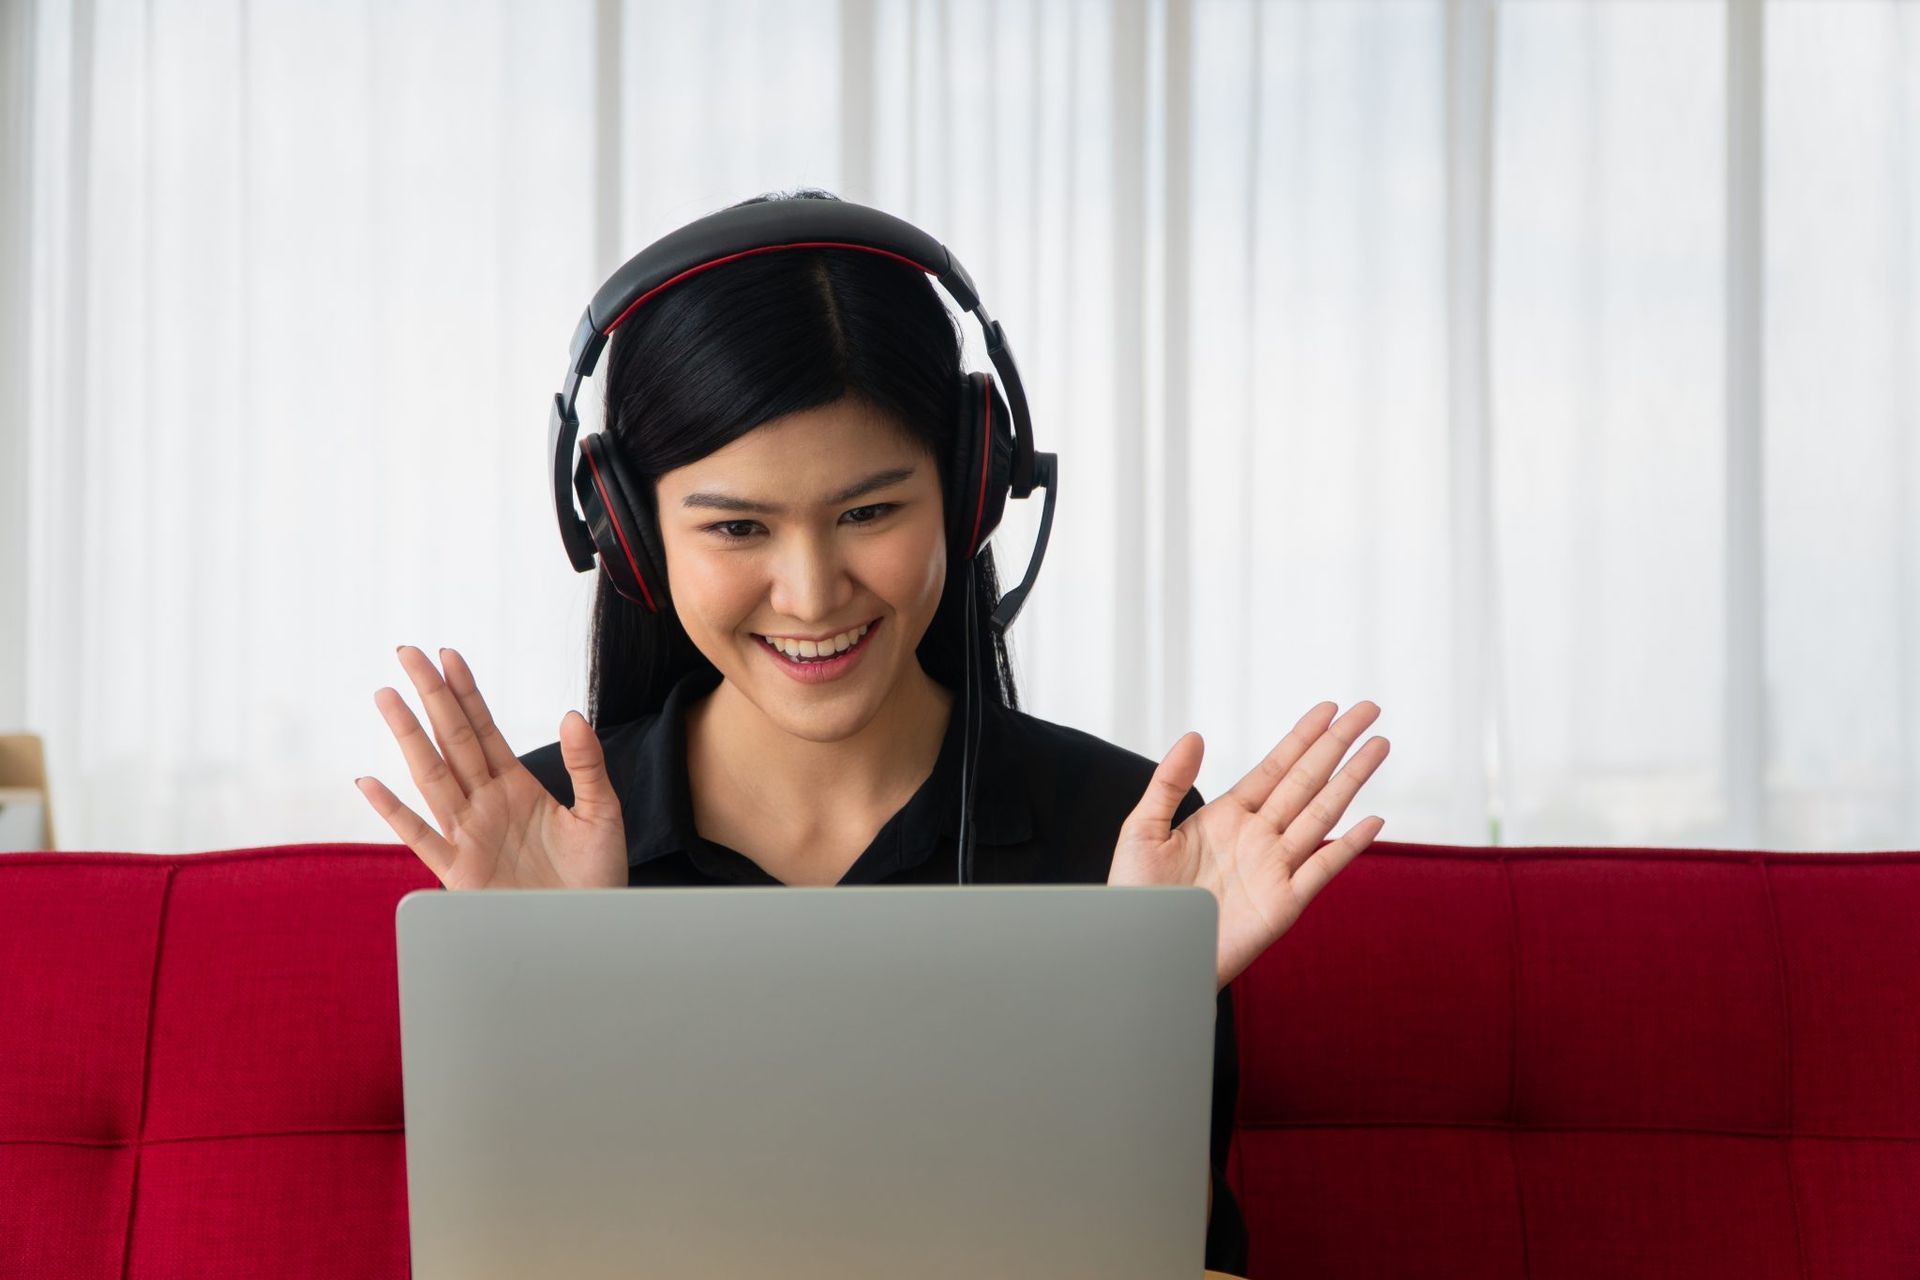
point(993, 458)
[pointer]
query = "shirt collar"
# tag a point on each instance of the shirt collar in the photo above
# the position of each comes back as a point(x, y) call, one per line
point(656, 779)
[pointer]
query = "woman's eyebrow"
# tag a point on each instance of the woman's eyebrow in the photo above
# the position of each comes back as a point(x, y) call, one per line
point(860, 488)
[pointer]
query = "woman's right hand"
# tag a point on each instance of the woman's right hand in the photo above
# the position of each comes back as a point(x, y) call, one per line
point(503, 828)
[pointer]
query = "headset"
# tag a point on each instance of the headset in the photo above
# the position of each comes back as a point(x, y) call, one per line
point(993, 458)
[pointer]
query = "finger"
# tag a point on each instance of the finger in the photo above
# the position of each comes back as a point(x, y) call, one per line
point(1310, 772)
point(1152, 818)
point(1306, 831)
point(1252, 791)
point(451, 729)
point(436, 782)
point(409, 826)
point(493, 746)
point(1332, 859)
point(580, 751)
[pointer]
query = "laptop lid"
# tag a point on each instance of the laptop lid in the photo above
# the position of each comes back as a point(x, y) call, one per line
point(879, 1081)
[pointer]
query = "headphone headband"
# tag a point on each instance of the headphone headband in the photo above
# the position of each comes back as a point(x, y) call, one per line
point(772, 224)
point(740, 232)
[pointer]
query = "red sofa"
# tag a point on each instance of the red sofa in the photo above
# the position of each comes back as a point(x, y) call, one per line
point(1544, 1063)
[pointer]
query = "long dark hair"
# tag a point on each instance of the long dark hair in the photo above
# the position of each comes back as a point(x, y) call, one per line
point(761, 337)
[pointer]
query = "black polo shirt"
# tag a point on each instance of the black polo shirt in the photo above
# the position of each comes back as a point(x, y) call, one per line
point(1047, 810)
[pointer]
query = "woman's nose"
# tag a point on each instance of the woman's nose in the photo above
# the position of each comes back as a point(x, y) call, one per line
point(810, 581)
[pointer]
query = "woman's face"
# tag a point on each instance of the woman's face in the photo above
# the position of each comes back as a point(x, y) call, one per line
point(807, 528)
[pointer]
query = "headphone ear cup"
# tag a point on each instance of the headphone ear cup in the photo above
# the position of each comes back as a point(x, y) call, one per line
point(621, 519)
point(981, 483)
point(963, 475)
point(638, 495)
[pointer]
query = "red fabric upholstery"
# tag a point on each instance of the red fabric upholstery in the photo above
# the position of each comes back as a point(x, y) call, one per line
point(1461, 1062)
point(200, 1064)
point(1562, 1063)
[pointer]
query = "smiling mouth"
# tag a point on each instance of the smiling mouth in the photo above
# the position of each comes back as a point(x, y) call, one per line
point(810, 651)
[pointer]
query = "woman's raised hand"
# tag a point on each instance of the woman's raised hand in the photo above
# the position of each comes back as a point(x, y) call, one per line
point(500, 828)
point(1257, 847)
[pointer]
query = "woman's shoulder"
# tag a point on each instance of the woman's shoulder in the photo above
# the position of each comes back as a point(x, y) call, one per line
point(1064, 742)
point(1078, 769)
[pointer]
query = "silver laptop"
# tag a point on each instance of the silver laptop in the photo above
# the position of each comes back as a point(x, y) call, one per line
point(876, 1081)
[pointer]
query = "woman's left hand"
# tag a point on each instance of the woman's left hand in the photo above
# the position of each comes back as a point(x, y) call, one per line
point(1257, 847)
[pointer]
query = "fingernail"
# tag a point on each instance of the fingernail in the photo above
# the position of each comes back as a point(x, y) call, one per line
point(397, 648)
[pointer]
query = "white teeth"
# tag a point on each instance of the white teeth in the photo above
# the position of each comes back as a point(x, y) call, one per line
point(817, 649)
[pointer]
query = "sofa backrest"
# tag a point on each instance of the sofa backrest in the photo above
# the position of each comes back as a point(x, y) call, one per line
point(1539, 1063)
point(1565, 1063)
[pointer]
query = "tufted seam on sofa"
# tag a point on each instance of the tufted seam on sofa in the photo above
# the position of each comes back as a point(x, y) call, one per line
point(89, 1144)
point(1513, 1063)
point(1245, 1057)
point(274, 853)
point(1657, 1131)
point(146, 1070)
point(1786, 1037)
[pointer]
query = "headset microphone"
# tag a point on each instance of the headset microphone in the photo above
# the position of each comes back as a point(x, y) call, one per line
point(994, 459)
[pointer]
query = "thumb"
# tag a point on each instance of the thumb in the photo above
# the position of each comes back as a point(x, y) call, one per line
point(593, 797)
point(1153, 816)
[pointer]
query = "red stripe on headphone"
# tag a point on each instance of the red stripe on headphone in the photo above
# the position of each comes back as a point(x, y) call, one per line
point(748, 253)
point(621, 534)
point(986, 452)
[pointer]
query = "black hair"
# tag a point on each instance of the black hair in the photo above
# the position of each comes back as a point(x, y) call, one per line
point(741, 344)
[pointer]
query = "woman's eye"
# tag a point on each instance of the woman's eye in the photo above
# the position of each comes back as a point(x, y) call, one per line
point(875, 511)
point(742, 530)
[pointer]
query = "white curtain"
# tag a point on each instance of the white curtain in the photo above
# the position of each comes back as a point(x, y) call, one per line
point(1545, 371)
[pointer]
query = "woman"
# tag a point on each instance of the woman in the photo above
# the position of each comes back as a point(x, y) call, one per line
point(790, 718)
